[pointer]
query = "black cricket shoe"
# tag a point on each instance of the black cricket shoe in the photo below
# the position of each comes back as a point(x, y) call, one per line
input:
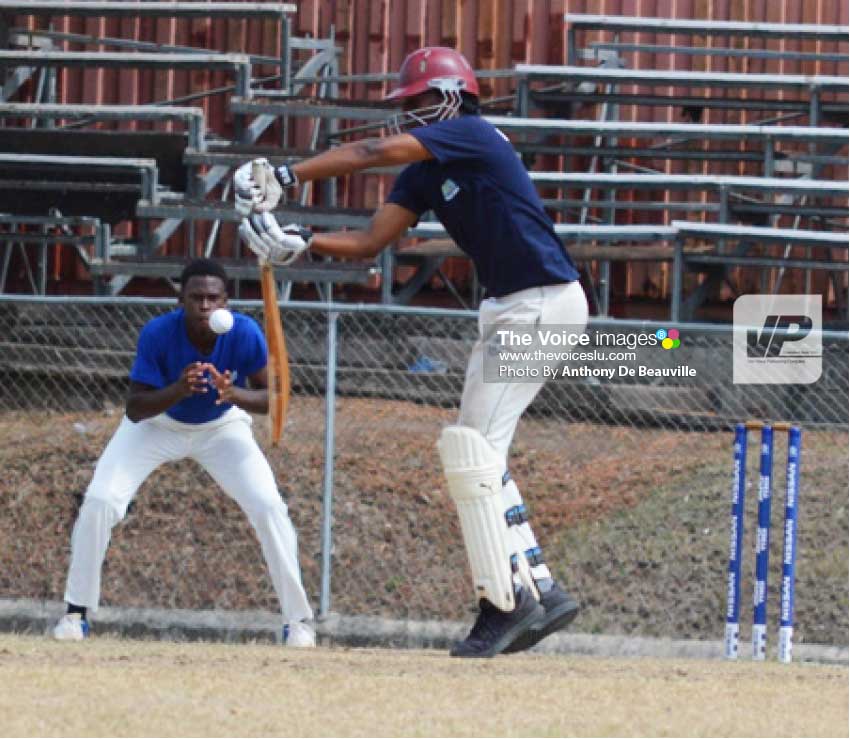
point(494, 630)
point(559, 611)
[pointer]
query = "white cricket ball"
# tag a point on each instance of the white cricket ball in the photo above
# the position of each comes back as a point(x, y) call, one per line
point(221, 320)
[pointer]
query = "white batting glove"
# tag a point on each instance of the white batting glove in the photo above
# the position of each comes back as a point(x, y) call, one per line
point(268, 187)
point(258, 186)
point(263, 235)
point(246, 191)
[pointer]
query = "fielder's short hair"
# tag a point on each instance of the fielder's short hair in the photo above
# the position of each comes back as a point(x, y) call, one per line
point(202, 268)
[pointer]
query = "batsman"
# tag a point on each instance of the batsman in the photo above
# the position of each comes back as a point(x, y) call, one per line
point(467, 172)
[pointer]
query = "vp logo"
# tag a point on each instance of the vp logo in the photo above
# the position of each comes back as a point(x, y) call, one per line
point(776, 332)
point(777, 339)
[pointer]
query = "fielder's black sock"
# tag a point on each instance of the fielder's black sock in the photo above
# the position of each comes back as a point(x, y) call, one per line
point(77, 609)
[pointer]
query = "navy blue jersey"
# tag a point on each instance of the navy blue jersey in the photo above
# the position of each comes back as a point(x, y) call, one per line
point(480, 191)
point(165, 350)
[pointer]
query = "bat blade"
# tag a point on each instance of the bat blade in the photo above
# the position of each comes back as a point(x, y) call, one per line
point(278, 363)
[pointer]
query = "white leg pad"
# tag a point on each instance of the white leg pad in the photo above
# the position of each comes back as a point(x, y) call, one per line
point(474, 474)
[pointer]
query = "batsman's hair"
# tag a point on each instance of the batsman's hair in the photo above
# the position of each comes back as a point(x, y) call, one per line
point(470, 104)
point(202, 268)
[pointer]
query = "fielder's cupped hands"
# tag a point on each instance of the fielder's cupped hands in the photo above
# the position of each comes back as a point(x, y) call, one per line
point(193, 380)
point(223, 382)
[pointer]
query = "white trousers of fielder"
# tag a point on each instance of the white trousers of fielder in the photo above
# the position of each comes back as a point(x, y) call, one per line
point(227, 450)
point(494, 408)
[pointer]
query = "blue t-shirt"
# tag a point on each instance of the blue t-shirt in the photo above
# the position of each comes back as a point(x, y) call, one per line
point(164, 351)
point(480, 191)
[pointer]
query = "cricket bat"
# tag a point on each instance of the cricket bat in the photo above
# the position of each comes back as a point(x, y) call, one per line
point(278, 363)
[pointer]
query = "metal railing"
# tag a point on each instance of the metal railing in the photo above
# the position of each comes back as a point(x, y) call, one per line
point(693, 27)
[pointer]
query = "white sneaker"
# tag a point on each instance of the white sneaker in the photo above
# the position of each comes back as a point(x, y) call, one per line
point(71, 627)
point(299, 634)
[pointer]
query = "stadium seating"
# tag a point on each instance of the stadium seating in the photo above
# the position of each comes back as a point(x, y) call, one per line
point(43, 51)
point(746, 238)
point(87, 236)
point(622, 149)
point(724, 30)
point(808, 89)
point(616, 187)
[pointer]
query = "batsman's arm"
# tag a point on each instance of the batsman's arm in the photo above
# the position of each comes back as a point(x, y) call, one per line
point(359, 155)
point(389, 223)
point(259, 186)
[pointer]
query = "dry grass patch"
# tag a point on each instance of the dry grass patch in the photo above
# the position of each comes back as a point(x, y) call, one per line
point(113, 687)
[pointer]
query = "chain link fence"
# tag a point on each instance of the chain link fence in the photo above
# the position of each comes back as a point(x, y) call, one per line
point(627, 478)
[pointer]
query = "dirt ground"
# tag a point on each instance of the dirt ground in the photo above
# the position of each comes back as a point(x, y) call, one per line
point(634, 521)
point(112, 687)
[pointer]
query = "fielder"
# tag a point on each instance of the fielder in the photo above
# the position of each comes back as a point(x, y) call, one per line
point(189, 393)
point(467, 173)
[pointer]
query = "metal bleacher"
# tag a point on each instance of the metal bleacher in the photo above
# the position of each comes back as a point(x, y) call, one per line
point(592, 242)
point(52, 132)
point(790, 160)
point(192, 117)
point(675, 141)
point(808, 88)
point(31, 184)
point(428, 258)
point(84, 234)
point(626, 161)
point(238, 64)
point(706, 202)
point(71, 140)
point(746, 239)
point(617, 25)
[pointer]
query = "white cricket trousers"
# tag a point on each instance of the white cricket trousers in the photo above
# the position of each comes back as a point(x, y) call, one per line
point(494, 408)
point(227, 450)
